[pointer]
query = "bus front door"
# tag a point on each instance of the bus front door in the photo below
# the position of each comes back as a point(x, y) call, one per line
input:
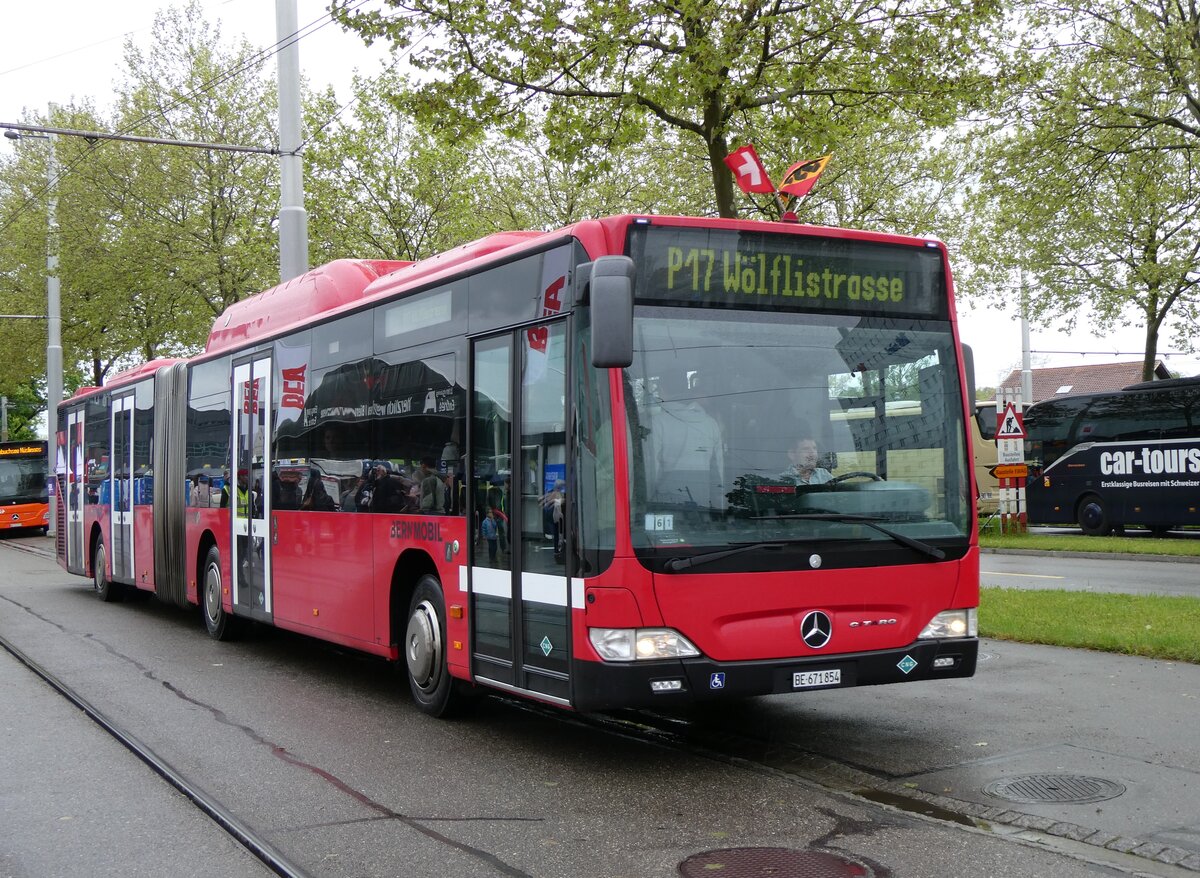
point(249, 497)
point(120, 490)
point(520, 590)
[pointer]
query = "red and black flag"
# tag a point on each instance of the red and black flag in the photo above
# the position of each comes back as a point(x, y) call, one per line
point(802, 176)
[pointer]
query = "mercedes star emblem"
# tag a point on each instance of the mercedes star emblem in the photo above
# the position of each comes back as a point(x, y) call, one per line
point(816, 629)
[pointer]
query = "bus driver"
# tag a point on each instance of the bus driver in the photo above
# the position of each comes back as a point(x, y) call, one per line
point(804, 469)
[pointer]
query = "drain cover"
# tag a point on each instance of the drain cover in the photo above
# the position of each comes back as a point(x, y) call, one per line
point(781, 862)
point(1033, 789)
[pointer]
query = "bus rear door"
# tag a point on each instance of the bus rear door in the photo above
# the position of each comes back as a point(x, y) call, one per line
point(76, 484)
point(120, 491)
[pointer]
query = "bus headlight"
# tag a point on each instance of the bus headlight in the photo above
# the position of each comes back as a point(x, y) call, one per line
point(640, 644)
point(952, 623)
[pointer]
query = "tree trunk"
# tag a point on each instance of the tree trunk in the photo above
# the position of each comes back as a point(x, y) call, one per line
point(1150, 357)
point(722, 179)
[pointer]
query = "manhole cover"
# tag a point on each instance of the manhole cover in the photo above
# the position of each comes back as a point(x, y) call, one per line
point(779, 862)
point(1033, 789)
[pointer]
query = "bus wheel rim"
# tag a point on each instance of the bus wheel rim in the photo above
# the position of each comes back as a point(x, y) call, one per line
point(98, 573)
point(423, 646)
point(212, 592)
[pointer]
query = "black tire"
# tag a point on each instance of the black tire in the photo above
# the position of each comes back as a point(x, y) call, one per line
point(220, 625)
point(107, 590)
point(424, 650)
point(1092, 515)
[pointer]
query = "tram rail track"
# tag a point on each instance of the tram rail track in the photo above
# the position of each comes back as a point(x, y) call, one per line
point(246, 836)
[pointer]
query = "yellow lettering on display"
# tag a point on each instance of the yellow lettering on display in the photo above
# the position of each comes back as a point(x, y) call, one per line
point(761, 274)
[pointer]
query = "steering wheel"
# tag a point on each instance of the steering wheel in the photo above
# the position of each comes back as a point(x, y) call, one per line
point(857, 474)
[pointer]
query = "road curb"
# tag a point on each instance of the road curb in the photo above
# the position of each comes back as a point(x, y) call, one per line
point(995, 814)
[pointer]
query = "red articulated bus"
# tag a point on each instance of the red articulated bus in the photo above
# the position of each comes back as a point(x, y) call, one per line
point(24, 474)
point(565, 465)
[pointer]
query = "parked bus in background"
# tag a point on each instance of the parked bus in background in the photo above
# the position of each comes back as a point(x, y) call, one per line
point(24, 499)
point(1126, 457)
point(983, 446)
point(622, 400)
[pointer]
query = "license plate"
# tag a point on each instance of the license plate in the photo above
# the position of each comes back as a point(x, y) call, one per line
point(809, 679)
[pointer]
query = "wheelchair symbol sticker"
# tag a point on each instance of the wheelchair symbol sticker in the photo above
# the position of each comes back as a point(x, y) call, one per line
point(716, 681)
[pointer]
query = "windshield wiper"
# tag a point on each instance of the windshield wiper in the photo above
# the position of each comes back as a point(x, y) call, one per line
point(918, 545)
point(675, 565)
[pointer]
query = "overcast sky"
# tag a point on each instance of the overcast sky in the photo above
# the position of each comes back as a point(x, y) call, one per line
point(73, 49)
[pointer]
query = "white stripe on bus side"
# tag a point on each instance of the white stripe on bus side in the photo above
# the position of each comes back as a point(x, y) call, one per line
point(492, 582)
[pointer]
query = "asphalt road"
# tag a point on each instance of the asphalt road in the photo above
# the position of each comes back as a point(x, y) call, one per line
point(322, 751)
point(1122, 574)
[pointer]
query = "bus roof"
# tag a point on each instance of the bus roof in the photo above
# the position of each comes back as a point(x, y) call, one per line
point(344, 283)
point(322, 289)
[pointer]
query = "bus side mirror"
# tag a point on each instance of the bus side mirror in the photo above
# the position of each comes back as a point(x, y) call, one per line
point(610, 293)
point(969, 368)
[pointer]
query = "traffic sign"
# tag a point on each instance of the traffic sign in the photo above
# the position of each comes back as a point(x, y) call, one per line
point(1010, 471)
point(1010, 424)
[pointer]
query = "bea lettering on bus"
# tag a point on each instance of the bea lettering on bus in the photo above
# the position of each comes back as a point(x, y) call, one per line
point(293, 387)
point(539, 336)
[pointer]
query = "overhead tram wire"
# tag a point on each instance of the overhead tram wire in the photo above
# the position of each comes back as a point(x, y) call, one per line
point(248, 63)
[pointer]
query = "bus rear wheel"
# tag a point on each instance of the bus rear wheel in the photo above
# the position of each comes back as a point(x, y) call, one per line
point(220, 625)
point(107, 590)
point(1093, 516)
point(424, 647)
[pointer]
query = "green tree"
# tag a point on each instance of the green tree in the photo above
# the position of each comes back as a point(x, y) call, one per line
point(154, 241)
point(196, 227)
point(1090, 186)
point(379, 186)
point(613, 72)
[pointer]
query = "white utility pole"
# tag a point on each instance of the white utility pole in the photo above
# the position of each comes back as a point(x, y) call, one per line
point(293, 218)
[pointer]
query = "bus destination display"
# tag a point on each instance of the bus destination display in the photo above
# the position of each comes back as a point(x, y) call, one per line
point(726, 268)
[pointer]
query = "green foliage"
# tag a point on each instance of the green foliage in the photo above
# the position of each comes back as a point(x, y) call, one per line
point(381, 187)
point(798, 79)
point(1090, 183)
point(153, 242)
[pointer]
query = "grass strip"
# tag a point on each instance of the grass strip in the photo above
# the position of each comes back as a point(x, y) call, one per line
point(1155, 627)
point(1132, 545)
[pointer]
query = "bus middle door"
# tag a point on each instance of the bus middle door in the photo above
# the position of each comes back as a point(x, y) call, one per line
point(249, 488)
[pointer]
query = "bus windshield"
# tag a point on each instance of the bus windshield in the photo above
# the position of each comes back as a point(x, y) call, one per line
point(749, 427)
point(23, 480)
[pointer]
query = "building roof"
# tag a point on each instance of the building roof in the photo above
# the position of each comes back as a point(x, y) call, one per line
point(1071, 380)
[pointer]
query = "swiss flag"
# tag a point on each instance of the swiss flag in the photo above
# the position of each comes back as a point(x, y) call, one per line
point(748, 170)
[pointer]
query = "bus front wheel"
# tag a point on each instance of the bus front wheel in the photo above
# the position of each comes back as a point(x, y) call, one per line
point(1093, 516)
point(424, 648)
